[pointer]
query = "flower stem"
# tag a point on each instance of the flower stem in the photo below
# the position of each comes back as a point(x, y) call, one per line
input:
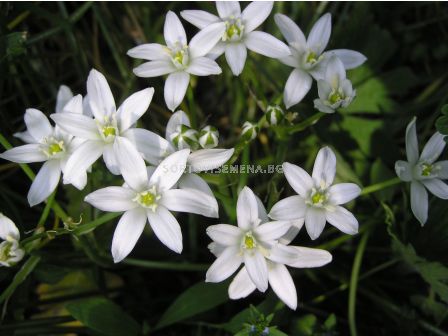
point(380, 186)
point(171, 266)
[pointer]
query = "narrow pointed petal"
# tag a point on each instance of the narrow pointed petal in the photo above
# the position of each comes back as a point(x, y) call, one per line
point(166, 228)
point(149, 51)
point(131, 164)
point(26, 137)
point(283, 285)
point(315, 222)
point(433, 148)
point(228, 8)
point(216, 249)
point(282, 254)
point(419, 202)
point(175, 88)
point(255, 14)
point(45, 182)
point(343, 219)
point(247, 209)
point(350, 58)
point(217, 50)
point(190, 200)
point(297, 86)
point(37, 124)
point(412, 142)
point(208, 159)
point(225, 265)
point(441, 169)
point(206, 39)
point(178, 118)
point(193, 181)
point(290, 208)
point(290, 30)
point(128, 231)
point(403, 170)
point(170, 170)
point(63, 96)
point(262, 214)
point(199, 18)
point(272, 230)
point(293, 231)
point(310, 257)
point(112, 199)
point(267, 45)
point(324, 169)
point(437, 187)
point(343, 193)
point(110, 160)
point(241, 286)
point(320, 34)
point(154, 68)
point(335, 72)
point(73, 105)
point(173, 30)
point(8, 228)
point(236, 54)
point(101, 100)
point(298, 179)
point(78, 125)
point(258, 270)
point(203, 66)
point(24, 154)
point(133, 108)
point(225, 234)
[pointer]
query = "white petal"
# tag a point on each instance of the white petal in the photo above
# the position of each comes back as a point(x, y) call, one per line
point(272, 230)
point(37, 124)
point(199, 18)
point(283, 285)
point(441, 169)
point(282, 254)
point(154, 68)
point(236, 54)
point(208, 159)
point(78, 125)
point(131, 164)
point(206, 39)
point(216, 249)
point(310, 257)
point(290, 208)
point(112, 199)
point(241, 286)
point(350, 58)
point(228, 8)
point(173, 30)
point(203, 66)
point(128, 231)
point(149, 51)
point(255, 14)
point(151, 145)
point(45, 182)
point(133, 108)
point(419, 202)
point(24, 154)
point(74, 105)
point(267, 45)
point(321, 107)
point(290, 30)
point(298, 179)
point(297, 86)
point(225, 234)
point(193, 181)
point(170, 170)
point(293, 231)
point(324, 168)
point(335, 72)
point(343, 192)
point(166, 228)
point(25, 136)
point(314, 222)
point(320, 34)
point(290, 61)
point(178, 118)
point(412, 142)
point(262, 214)
point(247, 209)
point(436, 187)
point(175, 88)
point(110, 160)
point(257, 268)
point(343, 219)
point(75, 171)
point(190, 200)
point(64, 95)
point(403, 170)
point(433, 148)
point(225, 265)
point(217, 50)
point(101, 100)
point(8, 228)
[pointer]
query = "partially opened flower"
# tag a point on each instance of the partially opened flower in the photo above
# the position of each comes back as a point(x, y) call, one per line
point(101, 130)
point(423, 171)
point(239, 34)
point(335, 90)
point(149, 198)
point(308, 57)
point(178, 59)
point(318, 201)
point(10, 252)
point(48, 144)
point(255, 243)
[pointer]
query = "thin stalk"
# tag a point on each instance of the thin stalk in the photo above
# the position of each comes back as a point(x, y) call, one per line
point(380, 186)
point(170, 266)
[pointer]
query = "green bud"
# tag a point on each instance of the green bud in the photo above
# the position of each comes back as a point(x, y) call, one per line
point(274, 114)
point(208, 137)
point(250, 130)
point(185, 137)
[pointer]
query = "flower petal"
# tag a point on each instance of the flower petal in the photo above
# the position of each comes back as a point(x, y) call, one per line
point(78, 125)
point(272, 230)
point(241, 286)
point(193, 181)
point(203, 66)
point(236, 54)
point(64, 95)
point(258, 270)
point(412, 142)
point(206, 39)
point(176, 119)
point(199, 18)
point(149, 51)
point(175, 88)
point(255, 14)
point(320, 34)
point(441, 169)
point(8, 228)
point(45, 182)
point(112, 199)
point(166, 228)
point(110, 160)
point(208, 159)
point(282, 254)
point(24, 154)
point(128, 231)
point(190, 200)
point(314, 222)
point(217, 50)
point(262, 214)
point(343, 192)
point(154, 68)
point(297, 178)
point(310, 257)
point(293, 231)
point(267, 45)
point(343, 219)
point(173, 30)
point(26, 137)
point(101, 100)
point(437, 187)
point(324, 168)
point(335, 72)
point(228, 8)
point(133, 108)
point(290, 208)
point(419, 202)
point(73, 105)
point(282, 284)
point(433, 148)
point(350, 58)
point(297, 86)
point(37, 124)
point(290, 30)
point(403, 170)
point(225, 234)
point(247, 209)
point(170, 170)
point(225, 265)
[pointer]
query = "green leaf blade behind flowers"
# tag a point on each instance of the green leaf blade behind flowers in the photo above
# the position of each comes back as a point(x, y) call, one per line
point(442, 122)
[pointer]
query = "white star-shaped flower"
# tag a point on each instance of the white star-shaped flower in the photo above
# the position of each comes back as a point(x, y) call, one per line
point(10, 252)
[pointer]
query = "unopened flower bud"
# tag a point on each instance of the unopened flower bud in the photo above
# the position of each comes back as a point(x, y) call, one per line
point(185, 137)
point(274, 114)
point(208, 137)
point(250, 130)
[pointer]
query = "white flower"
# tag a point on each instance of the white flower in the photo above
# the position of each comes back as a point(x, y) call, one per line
point(48, 144)
point(308, 56)
point(423, 171)
point(254, 242)
point(10, 252)
point(335, 90)
point(239, 34)
point(318, 201)
point(101, 131)
point(149, 196)
point(178, 59)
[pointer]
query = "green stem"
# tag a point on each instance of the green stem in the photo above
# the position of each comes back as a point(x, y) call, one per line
point(85, 228)
point(300, 126)
point(380, 186)
point(171, 266)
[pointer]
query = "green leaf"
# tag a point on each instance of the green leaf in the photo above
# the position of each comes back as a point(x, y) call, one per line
point(103, 316)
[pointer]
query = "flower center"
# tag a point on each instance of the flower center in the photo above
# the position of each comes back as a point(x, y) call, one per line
point(180, 55)
point(334, 97)
point(317, 198)
point(108, 128)
point(5, 250)
point(148, 198)
point(249, 241)
point(427, 169)
point(311, 59)
point(234, 30)
point(53, 147)
point(108, 131)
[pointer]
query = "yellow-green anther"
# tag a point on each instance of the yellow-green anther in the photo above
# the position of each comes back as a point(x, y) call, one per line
point(334, 97)
point(426, 169)
point(55, 148)
point(249, 241)
point(311, 57)
point(109, 131)
point(318, 198)
point(147, 198)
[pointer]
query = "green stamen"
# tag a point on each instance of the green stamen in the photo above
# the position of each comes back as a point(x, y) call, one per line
point(311, 58)
point(109, 131)
point(55, 148)
point(426, 169)
point(147, 199)
point(318, 198)
point(334, 97)
point(249, 241)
